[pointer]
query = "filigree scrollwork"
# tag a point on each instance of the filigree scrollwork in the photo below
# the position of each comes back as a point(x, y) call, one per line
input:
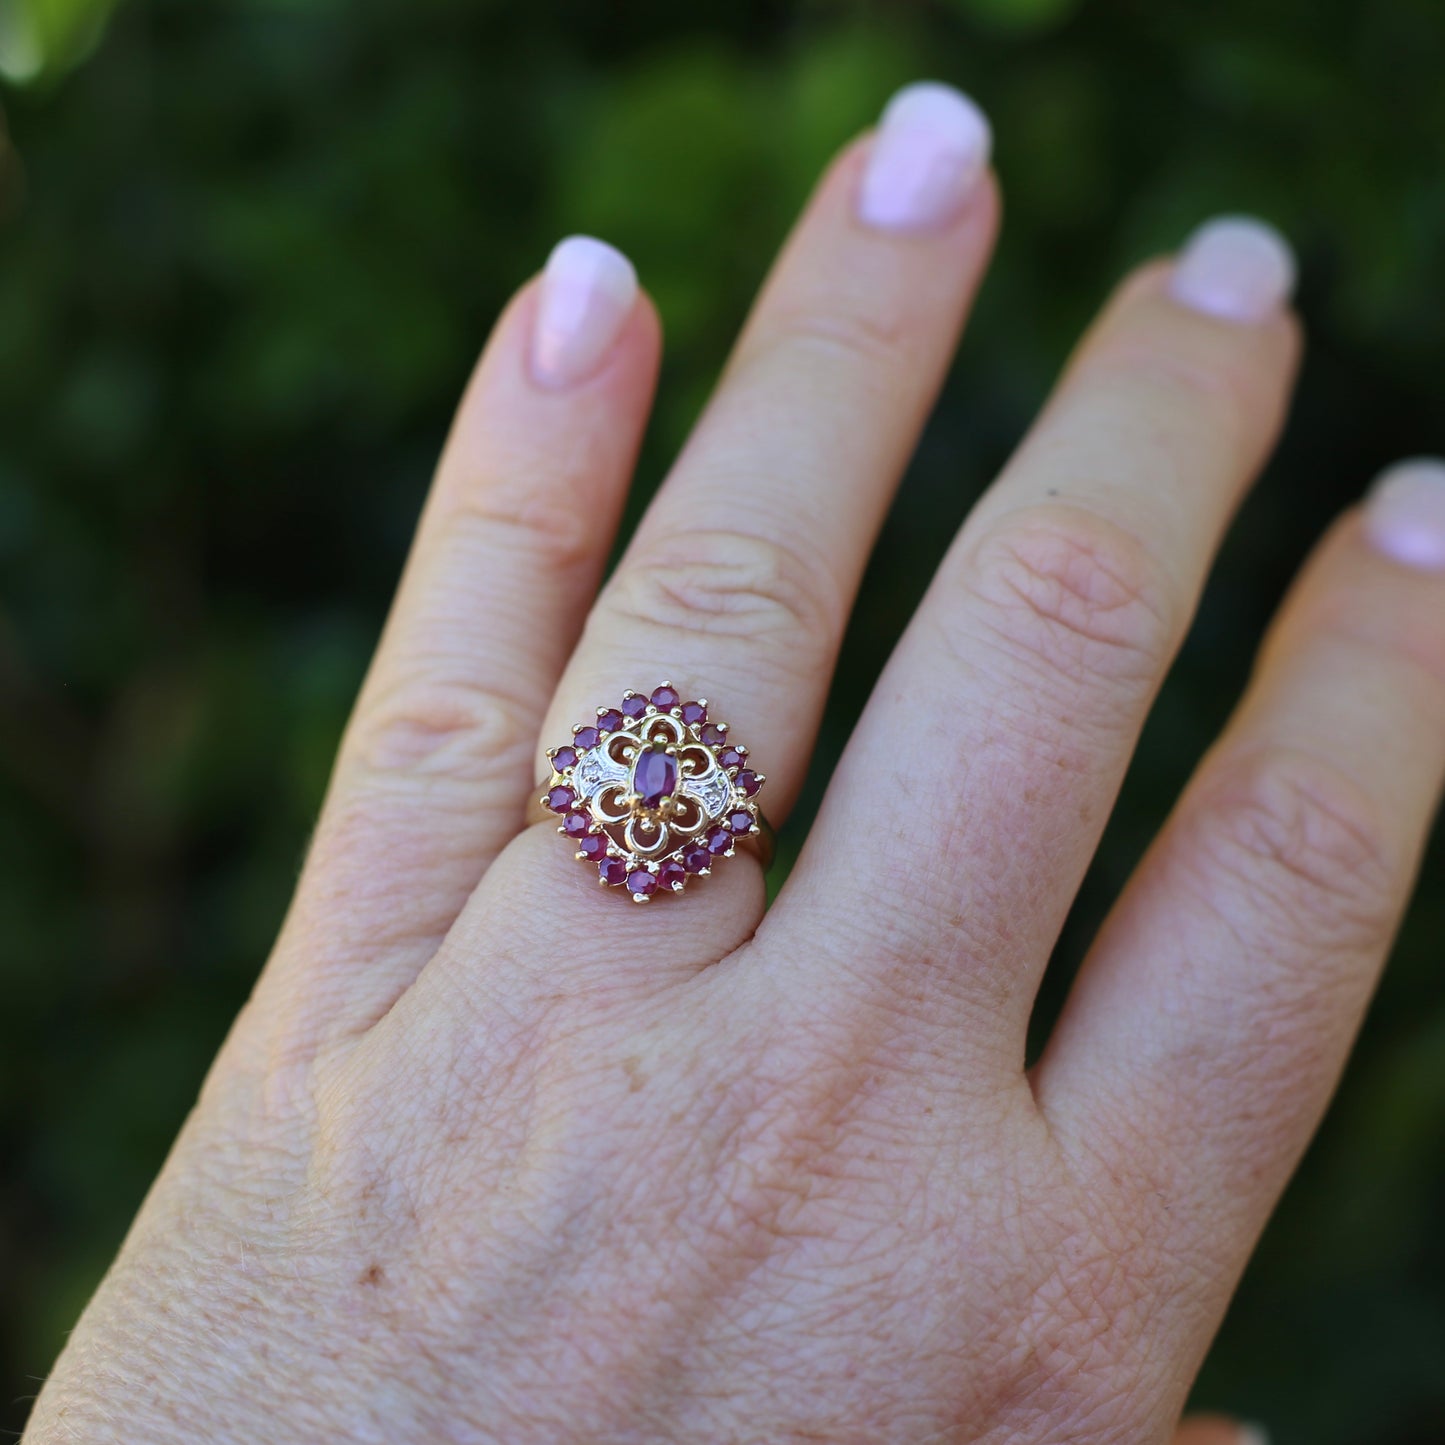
point(653, 793)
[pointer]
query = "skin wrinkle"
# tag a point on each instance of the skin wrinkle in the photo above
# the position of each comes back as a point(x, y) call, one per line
point(1073, 595)
point(727, 583)
point(490, 1158)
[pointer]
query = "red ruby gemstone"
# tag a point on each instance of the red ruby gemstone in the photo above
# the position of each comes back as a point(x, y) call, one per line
point(612, 870)
point(693, 713)
point(564, 758)
point(594, 845)
point(713, 736)
point(747, 782)
point(587, 737)
point(634, 705)
point(671, 872)
point(718, 840)
point(576, 824)
point(696, 858)
point(664, 698)
point(610, 720)
point(740, 821)
point(654, 776)
point(641, 881)
point(561, 798)
point(731, 758)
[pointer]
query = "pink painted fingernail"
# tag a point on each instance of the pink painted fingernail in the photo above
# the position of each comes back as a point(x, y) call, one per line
point(587, 293)
point(1234, 268)
point(1405, 513)
point(931, 147)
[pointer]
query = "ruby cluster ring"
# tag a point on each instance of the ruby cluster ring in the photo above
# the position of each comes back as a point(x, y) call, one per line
point(653, 793)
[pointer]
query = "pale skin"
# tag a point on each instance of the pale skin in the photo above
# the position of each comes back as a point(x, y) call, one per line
point(493, 1154)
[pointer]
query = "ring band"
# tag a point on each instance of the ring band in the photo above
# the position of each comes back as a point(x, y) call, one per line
point(652, 793)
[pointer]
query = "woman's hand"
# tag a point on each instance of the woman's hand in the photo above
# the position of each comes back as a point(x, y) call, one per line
point(494, 1155)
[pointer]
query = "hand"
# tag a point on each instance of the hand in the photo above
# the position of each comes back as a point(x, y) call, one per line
point(492, 1154)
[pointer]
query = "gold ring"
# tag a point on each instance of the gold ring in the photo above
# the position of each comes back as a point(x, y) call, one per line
point(652, 794)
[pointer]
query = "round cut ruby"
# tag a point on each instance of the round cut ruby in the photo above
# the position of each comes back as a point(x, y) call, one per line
point(747, 782)
point(671, 874)
point(587, 737)
point(694, 713)
point(560, 798)
point(740, 821)
point(718, 840)
point(641, 882)
point(575, 825)
point(665, 698)
point(612, 870)
point(731, 758)
point(695, 858)
point(564, 758)
point(713, 735)
point(593, 845)
point(610, 720)
point(654, 776)
point(634, 705)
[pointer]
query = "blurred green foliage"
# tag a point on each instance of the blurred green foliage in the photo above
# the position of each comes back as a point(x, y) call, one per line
point(40, 38)
point(248, 251)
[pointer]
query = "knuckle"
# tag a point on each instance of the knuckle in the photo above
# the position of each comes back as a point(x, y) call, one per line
point(1307, 842)
point(449, 727)
point(861, 337)
point(547, 519)
point(1072, 593)
point(1216, 393)
point(1411, 638)
point(726, 584)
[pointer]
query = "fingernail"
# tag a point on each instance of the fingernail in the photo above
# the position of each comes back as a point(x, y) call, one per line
point(931, 147)
point(1253, 1434)
point(1234, 268)
point(1405, 513)
point(587, 293)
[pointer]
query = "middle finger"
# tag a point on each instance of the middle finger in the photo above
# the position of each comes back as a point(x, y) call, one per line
point(974, 791)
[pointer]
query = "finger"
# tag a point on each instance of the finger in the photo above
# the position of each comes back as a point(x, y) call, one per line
point(970, 799)
point(436, 763)
point(1217, 1430)
point(1210, 1023)
point(741, 575)
point(739, 580)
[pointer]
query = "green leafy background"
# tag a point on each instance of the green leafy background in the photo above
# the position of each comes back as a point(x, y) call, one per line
point(248, 250)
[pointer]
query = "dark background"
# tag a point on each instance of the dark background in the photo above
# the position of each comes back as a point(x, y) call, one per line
point(248, 251)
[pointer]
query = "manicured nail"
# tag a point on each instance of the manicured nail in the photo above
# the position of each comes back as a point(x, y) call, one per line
point(1405, 513)
point(1234, 268)
point(931, 147)
point(1253, 1434)
point(587, 293)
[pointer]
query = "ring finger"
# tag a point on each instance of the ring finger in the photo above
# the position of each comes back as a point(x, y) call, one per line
point(740, 578)
point(741, 575)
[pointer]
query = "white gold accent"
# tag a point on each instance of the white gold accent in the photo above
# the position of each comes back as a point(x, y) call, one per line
point(594, 770)
point(713, 790)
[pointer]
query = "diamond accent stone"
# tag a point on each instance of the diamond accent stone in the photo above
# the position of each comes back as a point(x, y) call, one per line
point(595, 770)
point(711, 789)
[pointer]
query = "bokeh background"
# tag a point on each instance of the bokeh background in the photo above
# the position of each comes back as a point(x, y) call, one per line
point(248, 251)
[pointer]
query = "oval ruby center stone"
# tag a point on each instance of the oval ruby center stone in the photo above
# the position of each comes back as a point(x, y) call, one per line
point(654, 777)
